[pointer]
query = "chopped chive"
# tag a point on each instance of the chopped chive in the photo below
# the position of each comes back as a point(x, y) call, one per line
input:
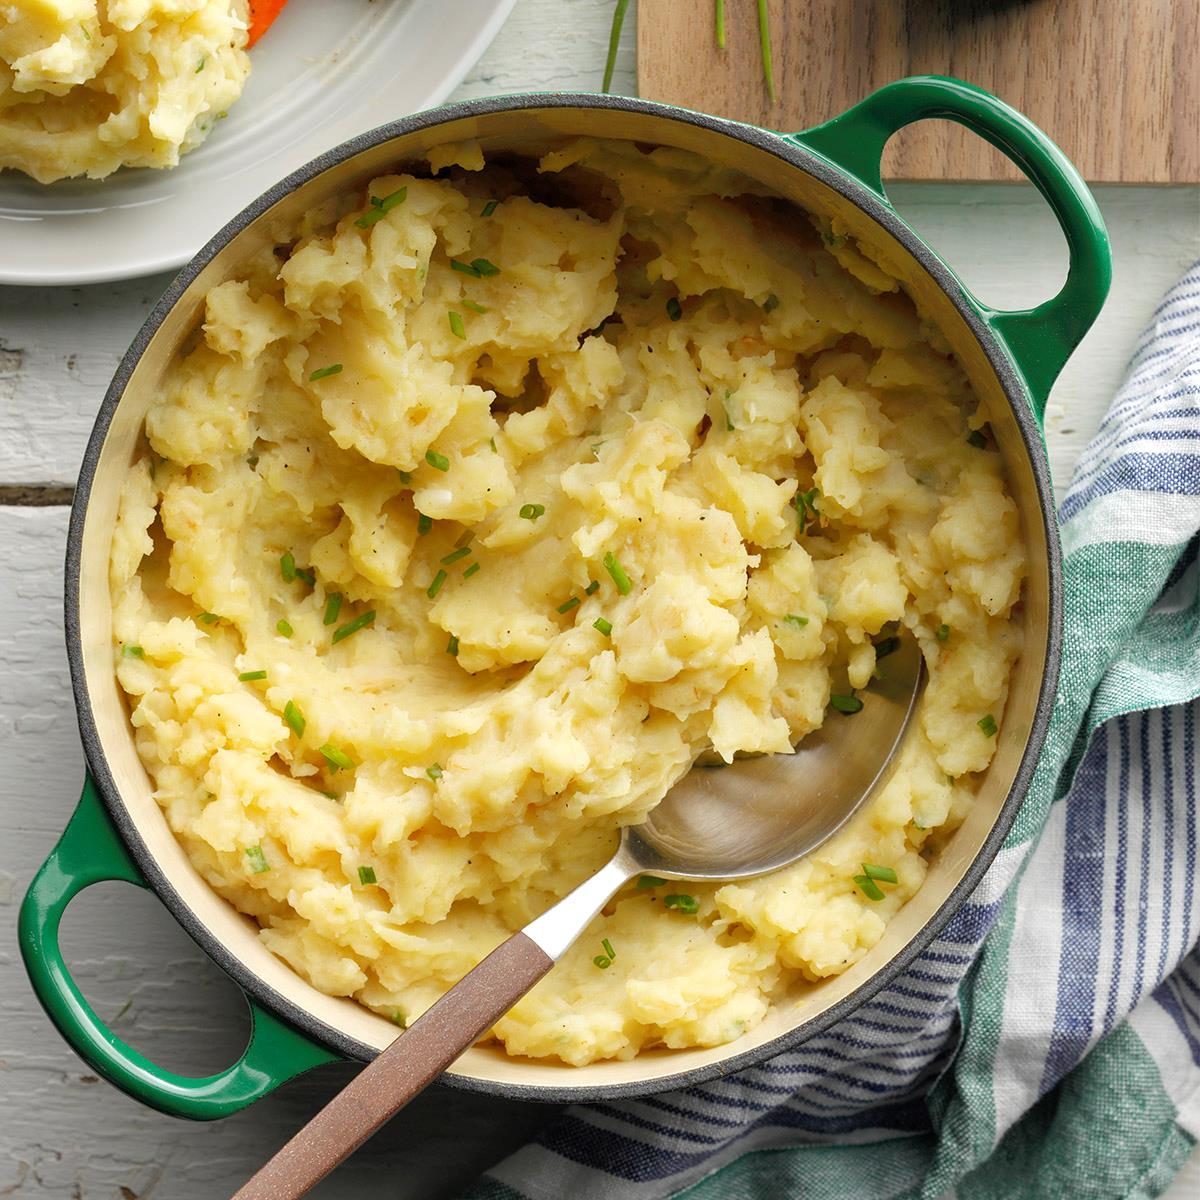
point(455, 555)
point(325, 372)
point(771, 303)
point(359, 622)
point(884, 874)
point(209, 618)
point(251, 676)
point(366, 875)
point(405, 476)
point(725, 406)
point(200, 64)
point(567, 605)
point(456, 324)
point(287, 566)
point(492, 443)
point(424, 523)
point(465, 538)
point(471, 570)
point(978, 439)
point(887, 646)
point(489, 208)
point(333, 606)
point(398, 1018)
point(764, 43)
point(846, 705)
point(464, 268)
point(308, 575)
point(674, 308)
point(452, 646)
point(592, 588)
point(338, 760)
point(380, 208)
point(284, 627)
point(439, 462)
point(475, 308)
point(987, 725)
point(608, 949)
point(943, 633)
point(650, 881)
point(134, 651)
point(295, 718)
point(869, 887)
point(796, 619)
point(602, 962)
point(258, 860)
point(720, 24)
point(483, 267)
point(805, 504)
point(605, 627)
point(434, 772)
point(531, 512)
point(436, 585)
point(617, 572)
point(682, 902)
point(614, 42)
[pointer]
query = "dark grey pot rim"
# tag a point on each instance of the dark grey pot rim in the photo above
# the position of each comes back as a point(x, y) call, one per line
point(803, 160)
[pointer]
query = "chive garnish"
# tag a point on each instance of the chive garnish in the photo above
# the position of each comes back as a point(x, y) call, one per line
point(608, 949)
point(764, 43)
point(465, 538)
point(134, 651)
point(884, 874)
point(601, 962)
point(489, 208)
point(325, 372)
point(943, 633)
point(380, 208)
point(531, 512)
point(439, 462)
point(398, 1018)
point(567, 605)
point(405, 476)
point(987, 725)
point(251, 676)
point(452, 646)
point(338, 760)
point(456, 324)
point(287, 566)
point(359, 622)
point(475, 308)
point(308, 575)
point(200, 64)
point(796, 619)
point(435, 771)
point(471, 570)
point(258, 860)
point(771, 303)
point(614, 41)
point(605, 627)
point(725, 405)
point(846, 705)
point(455, 555)
point(366, 875)
point(485, 268)
point(617, 572)
point(209, 618)
point(284, 627)
point(805, 504)
point(888, 646)
point(869, 887)
point(436, 585)
point(333, 606)
point(424, 523)
point(464, 268)
point(294, 717)
point(978, 439)
point(682, 902)
point(674, 308)
point(650, 881)
point(592, 588)
point(720, 24)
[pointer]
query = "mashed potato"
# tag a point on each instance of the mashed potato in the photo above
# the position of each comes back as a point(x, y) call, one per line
point(87, 86)
point(486, 501)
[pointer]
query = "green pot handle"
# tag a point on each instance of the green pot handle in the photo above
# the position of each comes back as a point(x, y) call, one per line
point(90, 852)
point(1041, 339)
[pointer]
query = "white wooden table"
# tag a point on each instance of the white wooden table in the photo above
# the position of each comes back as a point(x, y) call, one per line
point(63, 1134)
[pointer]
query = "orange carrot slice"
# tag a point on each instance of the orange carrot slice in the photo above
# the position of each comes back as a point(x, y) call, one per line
point(262, 14)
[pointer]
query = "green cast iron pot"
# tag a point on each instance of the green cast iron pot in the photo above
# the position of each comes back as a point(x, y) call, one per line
point(1011, 358)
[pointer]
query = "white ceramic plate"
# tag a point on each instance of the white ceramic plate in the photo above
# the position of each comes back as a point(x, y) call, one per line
point(324, 72)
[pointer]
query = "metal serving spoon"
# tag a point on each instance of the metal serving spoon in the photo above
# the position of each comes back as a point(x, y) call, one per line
point(749, 818)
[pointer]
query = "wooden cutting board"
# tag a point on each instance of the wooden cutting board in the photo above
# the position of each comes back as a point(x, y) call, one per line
point(1115, 82)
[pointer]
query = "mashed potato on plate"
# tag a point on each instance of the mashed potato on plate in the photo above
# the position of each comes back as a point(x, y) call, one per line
point(87, 86)
point(482, 504)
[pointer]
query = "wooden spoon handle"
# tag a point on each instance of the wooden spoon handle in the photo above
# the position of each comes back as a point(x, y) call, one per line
point(408, 1066)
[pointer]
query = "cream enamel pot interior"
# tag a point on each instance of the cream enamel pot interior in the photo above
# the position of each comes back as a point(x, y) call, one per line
point(1012, 359)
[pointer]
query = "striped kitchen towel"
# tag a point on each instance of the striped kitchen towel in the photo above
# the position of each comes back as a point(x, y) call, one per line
point(1047, 1043)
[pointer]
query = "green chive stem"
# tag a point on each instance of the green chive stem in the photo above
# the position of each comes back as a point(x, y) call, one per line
point(605, 627)
point(351, 627)
point(251, 676)
point(294, 717)
point(764, 42)
point(614, 42)
point(436, 585)
point(617, 572)
point(439, 462)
